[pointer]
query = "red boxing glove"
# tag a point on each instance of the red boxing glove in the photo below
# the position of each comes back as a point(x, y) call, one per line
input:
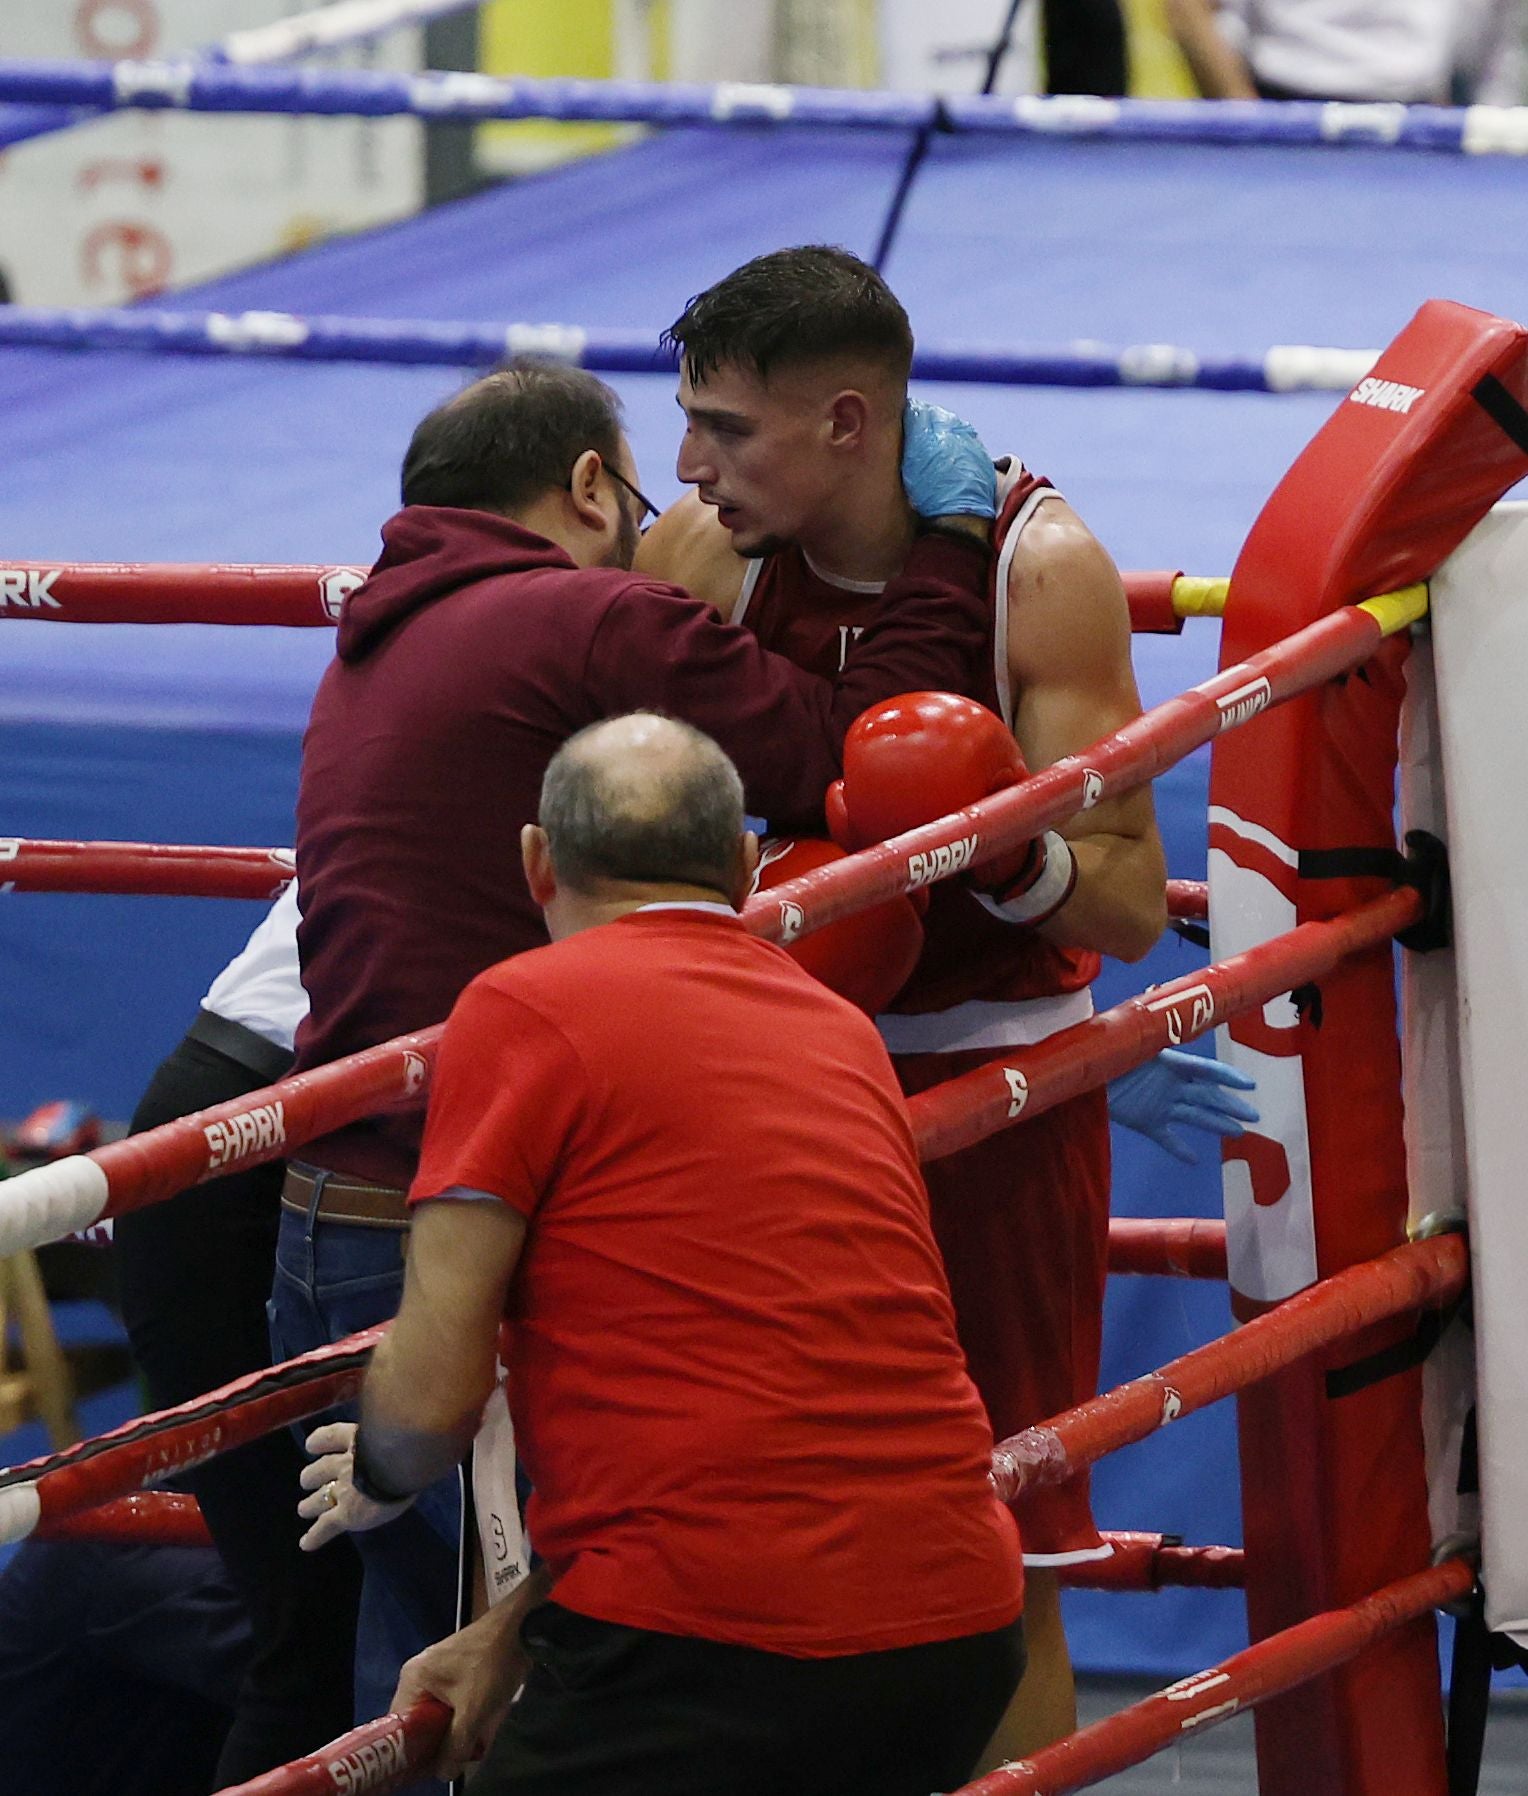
point(925, 755)
point(911, 759)
point(866, 958)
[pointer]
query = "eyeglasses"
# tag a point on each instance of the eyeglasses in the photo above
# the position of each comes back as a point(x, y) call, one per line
point(649, 510)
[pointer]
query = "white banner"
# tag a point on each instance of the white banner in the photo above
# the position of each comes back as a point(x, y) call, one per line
point(140, 202)
point(945, 48)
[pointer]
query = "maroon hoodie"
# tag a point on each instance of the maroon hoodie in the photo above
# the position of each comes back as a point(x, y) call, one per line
point(471, 654)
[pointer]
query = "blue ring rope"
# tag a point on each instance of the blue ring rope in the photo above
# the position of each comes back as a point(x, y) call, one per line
point(203, 86)
point(404, 342)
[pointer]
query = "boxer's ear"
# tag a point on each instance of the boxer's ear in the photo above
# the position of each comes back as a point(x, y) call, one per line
point(848, 419)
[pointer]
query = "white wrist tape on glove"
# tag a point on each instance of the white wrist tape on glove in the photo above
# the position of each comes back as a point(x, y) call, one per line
point(1046, 892)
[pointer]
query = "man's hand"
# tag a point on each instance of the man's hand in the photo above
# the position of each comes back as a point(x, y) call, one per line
point(336, 1507)
point(947, 473)
point(476, 1672)
point(1191, 1089)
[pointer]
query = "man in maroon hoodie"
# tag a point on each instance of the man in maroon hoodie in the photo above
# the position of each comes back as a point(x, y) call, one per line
point(502, 618)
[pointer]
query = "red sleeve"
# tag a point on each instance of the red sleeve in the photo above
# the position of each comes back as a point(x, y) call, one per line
point(507, 1095)
point(657, 648)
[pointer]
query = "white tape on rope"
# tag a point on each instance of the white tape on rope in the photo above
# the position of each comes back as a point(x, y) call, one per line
point(1305, 367)
point(170, 81)
point(1066, 114)
point(562, 342)
point(45, 1202)
point(1496, 131)
point(1379, 121)
point(1158, 365)
point(745, 100)
point(20, 1511)
point(256, 330)
point(445, 92)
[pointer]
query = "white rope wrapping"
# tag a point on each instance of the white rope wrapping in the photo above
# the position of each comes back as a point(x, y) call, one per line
point(20, 1509)
point(46, 1202)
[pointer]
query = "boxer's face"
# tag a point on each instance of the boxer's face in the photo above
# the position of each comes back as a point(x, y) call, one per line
point(769, 455)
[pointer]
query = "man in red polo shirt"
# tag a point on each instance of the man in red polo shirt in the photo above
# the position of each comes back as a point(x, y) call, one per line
point(680, 1172)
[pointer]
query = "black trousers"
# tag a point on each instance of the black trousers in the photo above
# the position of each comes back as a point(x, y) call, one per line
point(609, 1708)
point(119, 1668)
point(1086, 51)
point(195, 1276)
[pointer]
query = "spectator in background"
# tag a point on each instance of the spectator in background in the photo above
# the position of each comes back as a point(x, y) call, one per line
point(121, 1668)
point(1415, 51)
point(194, 1275)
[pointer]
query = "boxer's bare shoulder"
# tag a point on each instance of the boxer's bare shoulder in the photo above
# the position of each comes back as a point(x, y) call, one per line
point(689, 547)
point(1069, 662)
point(1066, 605)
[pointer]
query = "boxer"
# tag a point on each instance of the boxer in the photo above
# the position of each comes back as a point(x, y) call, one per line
point(793, 382)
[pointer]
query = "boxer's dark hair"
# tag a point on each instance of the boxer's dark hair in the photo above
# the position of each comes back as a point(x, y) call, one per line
point(607, 823)
point(510, 437)
point(793, 305)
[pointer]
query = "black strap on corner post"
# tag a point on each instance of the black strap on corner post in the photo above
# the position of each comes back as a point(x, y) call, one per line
point(1353, 863)
point(1424, 866)
point(1502, 409)
point(1402, 1356)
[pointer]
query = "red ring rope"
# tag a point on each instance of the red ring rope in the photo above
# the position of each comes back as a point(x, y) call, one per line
point(134, 869)
point(188, 593)
point(1188, 900)
point(1156, 1562)
point(1029, 1080)
point(1412, 1277)
point(106, 592)
point(1168, 1247)
point(160, 1518)
point(1265, 1669)
point(184, 870)
point(1131, 757)
point(382, 1755)
point(153, 1447)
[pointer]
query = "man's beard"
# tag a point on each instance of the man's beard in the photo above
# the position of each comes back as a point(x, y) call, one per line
point(624, 550)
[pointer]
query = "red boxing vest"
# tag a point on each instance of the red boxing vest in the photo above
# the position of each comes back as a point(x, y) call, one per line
point(813, 619)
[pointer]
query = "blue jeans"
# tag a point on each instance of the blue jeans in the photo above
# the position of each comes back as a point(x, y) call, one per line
point(333, 1278)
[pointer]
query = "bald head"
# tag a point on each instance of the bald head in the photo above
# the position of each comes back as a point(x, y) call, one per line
point(643, 800)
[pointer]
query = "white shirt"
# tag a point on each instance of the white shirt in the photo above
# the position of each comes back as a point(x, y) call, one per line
point(261, 986)
point(1358, 49)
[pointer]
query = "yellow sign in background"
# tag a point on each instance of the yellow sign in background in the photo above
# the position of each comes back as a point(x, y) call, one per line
point(581, 39)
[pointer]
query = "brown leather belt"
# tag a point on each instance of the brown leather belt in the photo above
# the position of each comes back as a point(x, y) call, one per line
point(342, 1199)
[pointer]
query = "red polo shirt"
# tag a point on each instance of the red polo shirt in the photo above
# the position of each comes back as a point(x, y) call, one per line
point(733, 1367)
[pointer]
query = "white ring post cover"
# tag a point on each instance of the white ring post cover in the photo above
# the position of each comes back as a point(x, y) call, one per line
point(1480, 641)
point(1437, 1173)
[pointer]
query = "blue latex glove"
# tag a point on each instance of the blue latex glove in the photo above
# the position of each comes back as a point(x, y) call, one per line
point(1191, 1089)
point(946, 470)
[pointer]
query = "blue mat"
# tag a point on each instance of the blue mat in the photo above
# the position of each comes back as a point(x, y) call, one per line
point(194, 734)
